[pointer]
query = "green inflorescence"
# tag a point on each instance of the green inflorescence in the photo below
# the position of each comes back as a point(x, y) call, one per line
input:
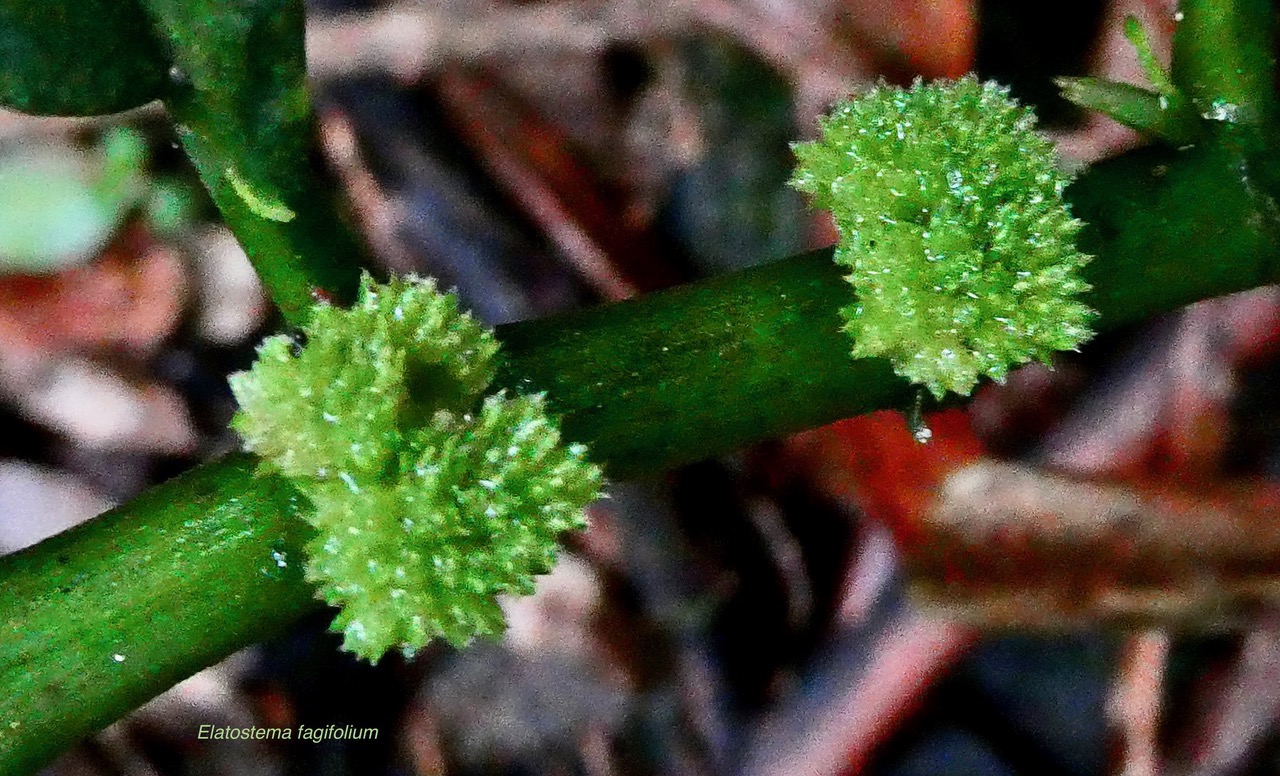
point(431, 499)
point(952, 223)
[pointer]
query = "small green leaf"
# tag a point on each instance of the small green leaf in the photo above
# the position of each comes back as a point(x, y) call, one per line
point(1154, 115)
point(1164, 114)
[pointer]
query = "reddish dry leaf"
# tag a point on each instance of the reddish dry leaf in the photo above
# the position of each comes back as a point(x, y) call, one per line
point(131, 299)
point(930, 38)
point(1009, 546)
point(874, 461)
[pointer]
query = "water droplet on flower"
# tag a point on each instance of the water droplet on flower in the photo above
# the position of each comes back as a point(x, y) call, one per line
point(920, 430)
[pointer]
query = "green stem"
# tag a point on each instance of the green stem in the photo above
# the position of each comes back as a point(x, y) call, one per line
point(97, 620)
point(186, 574)
point(684, 374)
point(309, 258)
point(1223, 59)
point(238, 95)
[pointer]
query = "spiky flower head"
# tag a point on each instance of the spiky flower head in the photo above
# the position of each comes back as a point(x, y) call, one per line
point(337, 406)
point(475, 512)
point(430, 498)
point(952, 224)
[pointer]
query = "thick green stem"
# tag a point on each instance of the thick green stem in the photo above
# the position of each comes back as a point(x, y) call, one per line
point(684, 374)
point(100, 618)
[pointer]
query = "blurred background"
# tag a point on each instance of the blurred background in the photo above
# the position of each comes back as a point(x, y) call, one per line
point(747, 615)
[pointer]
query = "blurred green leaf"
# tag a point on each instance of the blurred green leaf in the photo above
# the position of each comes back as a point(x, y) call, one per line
point(171, 205)
point(80, 58)
point(60, 206)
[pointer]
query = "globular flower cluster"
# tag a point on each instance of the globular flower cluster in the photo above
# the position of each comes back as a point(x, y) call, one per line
point(952, 223)
point(430, 498)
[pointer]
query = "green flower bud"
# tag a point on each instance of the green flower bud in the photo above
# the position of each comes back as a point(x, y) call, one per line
point(952, 224)
point(430, 499)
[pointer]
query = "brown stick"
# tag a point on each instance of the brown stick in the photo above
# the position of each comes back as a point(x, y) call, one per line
point(1010, 546)
point(1134, 706)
